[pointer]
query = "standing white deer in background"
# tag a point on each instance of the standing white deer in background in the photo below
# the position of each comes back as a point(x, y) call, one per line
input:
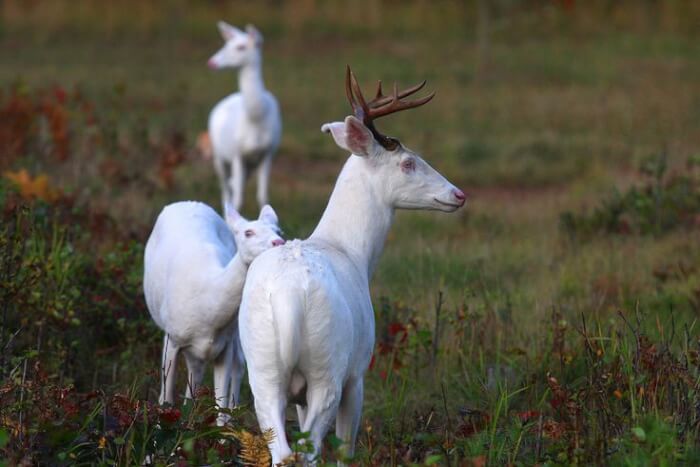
point(193, 280)
point(306, 319)
point(244, 127)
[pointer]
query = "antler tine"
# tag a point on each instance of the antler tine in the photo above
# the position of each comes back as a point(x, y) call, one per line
point(403, 105)
point(357, 92)
point(383, 100)
point(348, 89)
point(380, 94)
point(397, 105)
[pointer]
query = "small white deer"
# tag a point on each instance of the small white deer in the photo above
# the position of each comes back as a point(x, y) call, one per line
point(193, 280)
point(244, 127)
point(306, 319)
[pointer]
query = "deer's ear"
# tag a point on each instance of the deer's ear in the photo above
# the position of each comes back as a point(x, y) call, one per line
point(227, 31)
point(267, 214)
point(254, 35)
point(352, 135)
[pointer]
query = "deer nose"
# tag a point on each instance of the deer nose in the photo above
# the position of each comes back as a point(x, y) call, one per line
point(211, 64)
point(278, 242)
point(460, 196)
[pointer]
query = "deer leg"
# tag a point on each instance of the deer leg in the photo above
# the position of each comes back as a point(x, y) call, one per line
point(222, 380)
point(223, 172)
point(347, 421)
point(269, 409)
point(263, 179)
point(301, 415)
point(323, 401)
point(168, 369)
point(195, 374)
point(237, 181)
point(237, 369)
point(270, 396)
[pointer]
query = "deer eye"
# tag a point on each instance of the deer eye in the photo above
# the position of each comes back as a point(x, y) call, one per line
point(240, 47)
point(249, 233)
point(408, 165)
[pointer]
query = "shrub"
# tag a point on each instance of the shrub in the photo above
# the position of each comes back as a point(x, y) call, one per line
point(662, 204)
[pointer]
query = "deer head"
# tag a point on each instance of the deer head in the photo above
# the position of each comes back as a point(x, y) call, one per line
point(254, 237)
point(241, 48)
point(400, 176)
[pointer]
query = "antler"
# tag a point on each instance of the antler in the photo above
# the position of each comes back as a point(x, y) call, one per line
point(381, 105)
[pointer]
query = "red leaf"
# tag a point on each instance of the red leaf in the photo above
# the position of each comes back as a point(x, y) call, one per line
point(60, 94)
point(170, 415)
point(527, 415)
point(395, 328)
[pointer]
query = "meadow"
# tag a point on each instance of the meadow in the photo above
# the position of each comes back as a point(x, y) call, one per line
point(553, 320)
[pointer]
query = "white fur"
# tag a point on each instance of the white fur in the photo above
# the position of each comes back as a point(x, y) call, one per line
point(306, 319)
point(245, 127)
point(193, 280)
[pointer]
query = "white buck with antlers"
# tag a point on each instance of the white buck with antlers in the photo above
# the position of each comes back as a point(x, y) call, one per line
point(306, 319)
point(193, 280)
point(245, 127)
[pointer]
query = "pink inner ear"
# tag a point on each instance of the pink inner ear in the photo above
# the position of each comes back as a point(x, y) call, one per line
point(358, 137)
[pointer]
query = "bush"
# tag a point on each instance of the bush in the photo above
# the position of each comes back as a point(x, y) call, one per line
point(664, 203)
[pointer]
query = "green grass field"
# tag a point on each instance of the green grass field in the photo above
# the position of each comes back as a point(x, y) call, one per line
point(551, 321)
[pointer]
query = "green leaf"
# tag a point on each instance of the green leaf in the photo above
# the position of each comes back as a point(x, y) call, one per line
point(299, 435)
point(639, 433)
point(335, 442)
point(213, 457)
point(433, 460)
point(188, 445)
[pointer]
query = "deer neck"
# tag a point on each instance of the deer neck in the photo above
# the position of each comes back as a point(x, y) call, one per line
point(230, 281)
point(356, 220)
point(250, 82)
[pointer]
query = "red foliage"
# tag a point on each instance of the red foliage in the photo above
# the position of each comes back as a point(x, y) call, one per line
point(18, 126)
point(171, 154)
point(566, 5)
point(169, 415)
point(124, 409)
point(395, 328)
point(527, 415)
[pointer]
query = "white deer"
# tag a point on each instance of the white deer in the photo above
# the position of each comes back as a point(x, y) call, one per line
point(193, 280)
point(306, 319)
point(244, 127)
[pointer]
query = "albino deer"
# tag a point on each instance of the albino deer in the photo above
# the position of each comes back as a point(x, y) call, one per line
point(306, 319)
point(193, 279)
point(244, 127)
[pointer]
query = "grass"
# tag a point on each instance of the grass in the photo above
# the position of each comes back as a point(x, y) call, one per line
point(551, 321)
